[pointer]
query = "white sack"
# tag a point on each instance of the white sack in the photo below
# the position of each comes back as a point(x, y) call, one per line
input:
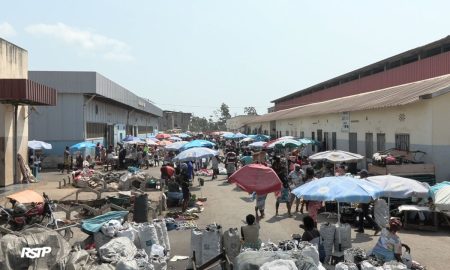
point(232, 243)
point(147, 237)
point(111, 227)
point(346, 266)
point(117, 249)
point(327, 234)
point(157, 250)
point(394, 265)
point(344, 231)
point(279, 265)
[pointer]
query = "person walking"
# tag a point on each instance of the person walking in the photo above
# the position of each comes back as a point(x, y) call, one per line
point(67, 158)
point(295, 180)
point(364, 212)
point(215, 166)
point(284, 197)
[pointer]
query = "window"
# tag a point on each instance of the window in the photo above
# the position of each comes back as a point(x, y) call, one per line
point(402, 142)
point(302, 134)
point(353, 142)
point(333, 141)
point(369, 145)
point(381, 142)
point(287, 132)
point(95, 130)
point(96, 109)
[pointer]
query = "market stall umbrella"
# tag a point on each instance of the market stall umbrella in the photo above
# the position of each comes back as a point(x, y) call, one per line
point(340, 189)
point(162, 136)
point(36, 145)
point(399, 187)
point(442, 199)
point(153, 139)
point(260, 137)
point(198, 143)
point(257, 144)
point(176, 146)
point(336, 156)
point(184, 135)
point(287, 143)
point(175, 139)
point(195, 153)
point(232, 136)
point(270, 144)
point(130, 138)
point(257, 178)
point(149, 141)
point(307, 141)
point(82, 145)
point(248, 139)
point(164, 143)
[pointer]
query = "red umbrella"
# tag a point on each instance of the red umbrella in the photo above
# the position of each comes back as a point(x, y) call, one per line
point(162, 136)
point(257, 178)
point(269, 143)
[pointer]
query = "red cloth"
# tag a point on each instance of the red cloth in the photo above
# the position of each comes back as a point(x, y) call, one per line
point(256, 178)
point(168, 170)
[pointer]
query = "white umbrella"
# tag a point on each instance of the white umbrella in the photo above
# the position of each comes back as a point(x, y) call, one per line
point(399, 187)
point(257, 144)
point(175, 146)
point(195, 153)
point(336, 156)
point(36, 145)
point(149, 141)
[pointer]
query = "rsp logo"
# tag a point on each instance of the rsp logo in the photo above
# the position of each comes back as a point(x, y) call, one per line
point(33, 253)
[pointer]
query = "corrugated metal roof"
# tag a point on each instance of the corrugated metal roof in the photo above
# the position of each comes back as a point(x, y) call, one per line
point(434, 44)
point(387, 97)
point(23, 91)
point(89, 82)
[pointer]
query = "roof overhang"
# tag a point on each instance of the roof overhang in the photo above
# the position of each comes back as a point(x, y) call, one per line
point(26, 92)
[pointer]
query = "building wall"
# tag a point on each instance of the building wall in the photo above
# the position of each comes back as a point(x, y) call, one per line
point(423, 69)
point(426, 122)
point(234, 124)
point(13, 65)
point(175, 120)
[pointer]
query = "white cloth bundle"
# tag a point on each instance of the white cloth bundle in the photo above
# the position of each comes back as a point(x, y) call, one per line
point(279, 265)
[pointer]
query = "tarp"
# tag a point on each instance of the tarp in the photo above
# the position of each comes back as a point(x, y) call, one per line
point(336, 156)
point(257, 178)
point(437, 187)
point(27, 196)
point(35, 145)
point(94, 225)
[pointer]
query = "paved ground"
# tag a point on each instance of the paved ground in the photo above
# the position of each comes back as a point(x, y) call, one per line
point(228, 206)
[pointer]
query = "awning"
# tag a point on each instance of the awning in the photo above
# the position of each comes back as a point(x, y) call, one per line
point(26, 92)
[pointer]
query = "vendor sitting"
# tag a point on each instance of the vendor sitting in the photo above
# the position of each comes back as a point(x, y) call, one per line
point(389, 247)
point(250, 232)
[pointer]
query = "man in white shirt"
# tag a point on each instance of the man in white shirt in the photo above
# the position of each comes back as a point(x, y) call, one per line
point(295, 179)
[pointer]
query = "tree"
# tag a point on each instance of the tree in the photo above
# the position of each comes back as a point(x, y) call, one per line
point(222, 115)
point(198, 124)
point(250, 110)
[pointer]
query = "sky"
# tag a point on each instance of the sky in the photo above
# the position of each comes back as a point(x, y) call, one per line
point(192, 56)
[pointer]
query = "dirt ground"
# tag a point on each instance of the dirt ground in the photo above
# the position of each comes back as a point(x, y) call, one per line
point(226, 205)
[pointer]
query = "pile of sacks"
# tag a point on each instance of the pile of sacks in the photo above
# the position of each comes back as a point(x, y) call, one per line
point(335, 236)
point(133, 245)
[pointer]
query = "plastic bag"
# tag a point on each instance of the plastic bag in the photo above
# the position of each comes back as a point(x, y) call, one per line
point(129, 231)
point(346, 266)
point(157, 250)
point(394, 265)
point(161, 231)
point(279, 265)
point(407, 259)
point(118, 249)
point(327, 234)
point(111, 227)
point(147, 237)
point(343, 236)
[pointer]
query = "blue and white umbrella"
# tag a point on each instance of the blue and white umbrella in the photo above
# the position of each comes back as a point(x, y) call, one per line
point(257, 144)
point(176, 146)
point(82, 145)
point(195, 153)
point(184, 135)
point(174, 138)
point(340, 189)
point(36, 145)
point(232, 136)
point(130, 138)
point(198, 143)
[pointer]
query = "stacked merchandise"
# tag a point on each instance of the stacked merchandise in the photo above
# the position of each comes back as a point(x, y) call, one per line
point(354, 255)
point(249, 260)
point(232, 243)
point(346, 266)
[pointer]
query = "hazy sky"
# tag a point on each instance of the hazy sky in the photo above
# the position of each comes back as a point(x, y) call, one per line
point(193, 55)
